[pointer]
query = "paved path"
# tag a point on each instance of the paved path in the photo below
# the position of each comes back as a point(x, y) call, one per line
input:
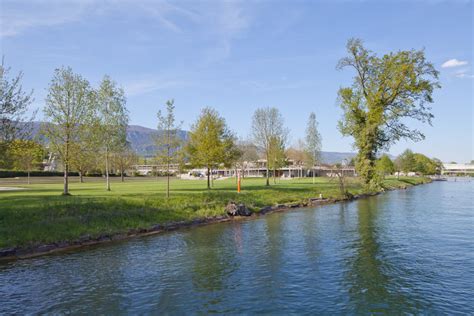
point(11, 189)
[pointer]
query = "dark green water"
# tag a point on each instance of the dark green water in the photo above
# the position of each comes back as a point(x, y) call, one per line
point(406, 251)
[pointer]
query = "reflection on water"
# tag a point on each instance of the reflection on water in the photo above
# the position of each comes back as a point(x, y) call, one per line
point(402, 252)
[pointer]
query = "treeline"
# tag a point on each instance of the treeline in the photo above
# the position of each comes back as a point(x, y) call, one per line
point(408, 162)
point(212, 144)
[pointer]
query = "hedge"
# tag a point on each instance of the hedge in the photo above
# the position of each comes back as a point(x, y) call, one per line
point(34, 173)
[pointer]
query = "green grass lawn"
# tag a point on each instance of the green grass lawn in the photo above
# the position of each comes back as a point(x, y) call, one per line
point(40, 214)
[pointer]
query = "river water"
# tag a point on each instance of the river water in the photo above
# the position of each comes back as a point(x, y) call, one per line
point(407, 251)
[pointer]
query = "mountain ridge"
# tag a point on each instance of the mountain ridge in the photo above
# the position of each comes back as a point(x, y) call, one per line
point(142, 141)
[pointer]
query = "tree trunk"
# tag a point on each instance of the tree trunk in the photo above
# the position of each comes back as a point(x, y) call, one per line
point(66, 179)
point(107, 180)
point(122, 178)
point(208, 178)
point(168, 167)
point(314, 178)
point(81, 178)
point(268, 173)
point(168, 179)
point(274, 176)
point(28, 176)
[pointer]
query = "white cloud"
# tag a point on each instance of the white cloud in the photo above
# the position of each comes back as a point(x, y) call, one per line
point(17, 17)
point(151, 84)
point(464, 75)
point(454, 63)
point(221, 22)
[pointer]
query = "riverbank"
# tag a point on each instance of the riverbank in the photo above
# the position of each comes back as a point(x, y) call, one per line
point(38, 221)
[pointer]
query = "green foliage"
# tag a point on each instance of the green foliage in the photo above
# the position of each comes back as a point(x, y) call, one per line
point(313, 141)
point(409, 161)
point(424, 165)
point(386, 90)
point(112, 120)
point(14, 103)
point(27, 154)
point(385, 165)
point(211, 143)
point(276, 155)
point(69, 109)
point(406, 161)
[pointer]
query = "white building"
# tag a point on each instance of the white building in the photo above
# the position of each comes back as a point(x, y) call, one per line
point(457, 169)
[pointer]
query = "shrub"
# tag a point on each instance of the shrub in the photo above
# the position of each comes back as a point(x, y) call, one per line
point(33, 173)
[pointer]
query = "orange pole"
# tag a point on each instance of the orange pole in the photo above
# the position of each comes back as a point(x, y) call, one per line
point(238, 183)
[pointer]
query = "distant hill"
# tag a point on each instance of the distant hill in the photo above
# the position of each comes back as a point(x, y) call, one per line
point(142, 141)
point(332, 157)
point(141, 138)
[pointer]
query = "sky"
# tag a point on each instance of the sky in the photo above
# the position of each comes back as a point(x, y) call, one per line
point(236, 56)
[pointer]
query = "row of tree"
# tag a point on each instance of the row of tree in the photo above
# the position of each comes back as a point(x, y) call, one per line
point(86, 129)
point(212, 144)
point(85, 126)
point(83, 121)
point(408, 162)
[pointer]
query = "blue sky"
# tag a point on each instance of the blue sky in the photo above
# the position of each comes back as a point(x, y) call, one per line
point(236, 56)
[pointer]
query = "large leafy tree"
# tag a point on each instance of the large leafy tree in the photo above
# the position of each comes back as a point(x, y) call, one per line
point(406, 161)
point(14, 104)
point(386, 91)
point(168, 141)
point(424, 165)
point(267, 127)
point(112, 121)
point(69, 109)
point(211, 143)
point(385, 165)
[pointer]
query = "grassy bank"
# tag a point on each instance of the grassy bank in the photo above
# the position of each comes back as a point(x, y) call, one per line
point(40, 215)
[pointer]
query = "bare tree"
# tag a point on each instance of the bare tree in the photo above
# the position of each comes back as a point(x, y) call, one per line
point(123, 159)
point(113, 120)
point(168, 141)
point(338, 173)
point(267, 125)
point(249, 154)
point(14, 104)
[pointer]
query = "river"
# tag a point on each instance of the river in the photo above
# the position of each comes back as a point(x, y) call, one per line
point(406, 251)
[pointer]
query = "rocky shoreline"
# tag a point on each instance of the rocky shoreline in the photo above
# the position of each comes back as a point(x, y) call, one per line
point(16, 253)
